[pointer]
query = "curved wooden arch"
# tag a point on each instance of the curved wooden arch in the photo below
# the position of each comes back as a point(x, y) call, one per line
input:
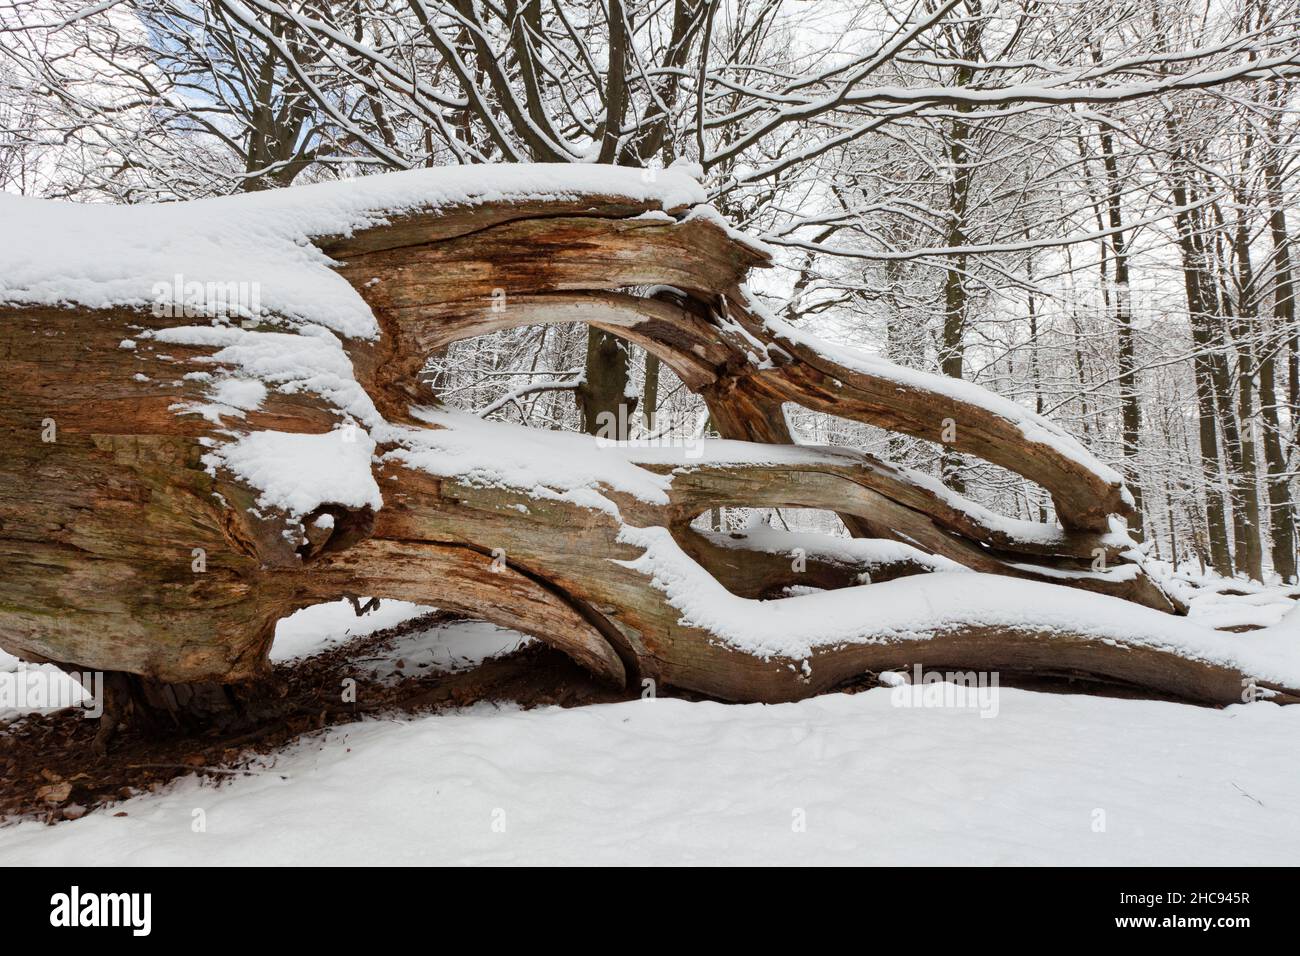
point(441, 289)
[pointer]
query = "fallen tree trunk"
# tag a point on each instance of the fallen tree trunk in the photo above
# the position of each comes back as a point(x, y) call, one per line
point(171, 485)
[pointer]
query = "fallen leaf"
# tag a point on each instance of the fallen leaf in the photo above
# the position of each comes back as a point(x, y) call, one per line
point(54, 792)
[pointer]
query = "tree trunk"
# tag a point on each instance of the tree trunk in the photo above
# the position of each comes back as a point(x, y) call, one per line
point(1251, 547)
point(1130, 409)
point(650, 397)
point(603, 398)
point(129, 541)
point(1281, 515)
point(953, 339)
point(955, 295)
point(1204, 369)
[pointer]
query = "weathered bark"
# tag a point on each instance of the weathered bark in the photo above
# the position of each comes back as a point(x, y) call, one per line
point(103, 526)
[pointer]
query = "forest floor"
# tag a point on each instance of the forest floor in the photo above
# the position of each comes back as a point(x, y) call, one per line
point(466, 744)
point(429, 661)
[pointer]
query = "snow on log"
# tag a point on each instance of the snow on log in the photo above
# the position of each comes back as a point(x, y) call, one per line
point(175, 480)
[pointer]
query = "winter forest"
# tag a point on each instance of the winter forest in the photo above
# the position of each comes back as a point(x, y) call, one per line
point(681, 338)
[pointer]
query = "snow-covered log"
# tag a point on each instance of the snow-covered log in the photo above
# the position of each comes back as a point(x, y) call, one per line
point(177, 475)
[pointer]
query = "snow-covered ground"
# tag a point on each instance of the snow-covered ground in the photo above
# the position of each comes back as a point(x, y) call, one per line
point(449, 647)
point(1049, 779)
point(838, 779)
point(323, 626)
